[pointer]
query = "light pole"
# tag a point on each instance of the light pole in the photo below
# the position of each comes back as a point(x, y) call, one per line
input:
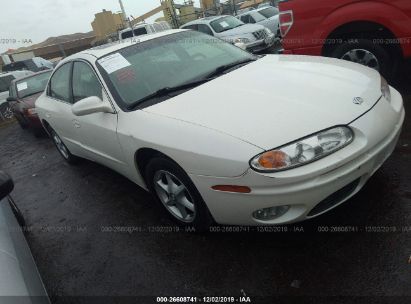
point(123, 11)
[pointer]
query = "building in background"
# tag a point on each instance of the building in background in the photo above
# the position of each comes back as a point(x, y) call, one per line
point(106, 23)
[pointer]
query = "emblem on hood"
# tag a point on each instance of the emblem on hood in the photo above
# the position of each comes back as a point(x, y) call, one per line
point(358, 100)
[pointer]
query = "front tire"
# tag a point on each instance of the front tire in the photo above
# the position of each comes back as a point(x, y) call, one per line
point(63, 150)
point(177, 193)
point(22, 122)
point(367, 53)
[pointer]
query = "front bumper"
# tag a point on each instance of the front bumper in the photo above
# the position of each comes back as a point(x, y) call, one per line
point(315, 188)
point(261, 45)
point(33, 121)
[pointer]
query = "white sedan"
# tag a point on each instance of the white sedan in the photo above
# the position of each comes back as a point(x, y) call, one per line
point(217, 133)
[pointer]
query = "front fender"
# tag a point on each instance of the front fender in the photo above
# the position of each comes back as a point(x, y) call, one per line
point(382, 13)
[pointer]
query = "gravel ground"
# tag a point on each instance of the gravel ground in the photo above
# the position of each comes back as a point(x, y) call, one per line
point(69, 209)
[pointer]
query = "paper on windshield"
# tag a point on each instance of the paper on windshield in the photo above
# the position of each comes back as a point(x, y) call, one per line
point(114, 62)
point(22, 86)
point(224, 24)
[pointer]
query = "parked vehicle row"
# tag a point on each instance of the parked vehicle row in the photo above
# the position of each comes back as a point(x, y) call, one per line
point(252, 37)
point(154, 111)
point(267, 16)
point(143, 29)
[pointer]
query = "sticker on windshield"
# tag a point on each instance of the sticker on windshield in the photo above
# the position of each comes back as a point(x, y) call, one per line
point(22, 86)
point(114, 63)
point(224, 24)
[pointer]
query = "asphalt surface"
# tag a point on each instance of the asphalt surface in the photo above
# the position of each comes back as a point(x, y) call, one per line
point(70, 209)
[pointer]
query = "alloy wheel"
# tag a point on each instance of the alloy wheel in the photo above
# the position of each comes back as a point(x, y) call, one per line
point(175, 196)
point(363, 57)
point(60, 145)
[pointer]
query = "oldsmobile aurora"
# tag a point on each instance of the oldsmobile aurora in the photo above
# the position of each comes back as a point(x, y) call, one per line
point(219, 134)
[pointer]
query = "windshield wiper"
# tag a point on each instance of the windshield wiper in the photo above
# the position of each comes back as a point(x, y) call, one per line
point(166, 91)
point(223, 68)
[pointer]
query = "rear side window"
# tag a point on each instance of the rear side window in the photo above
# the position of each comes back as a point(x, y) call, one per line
point(140, 31)
point(85, 82)
point(127, 34)
point(205, 29)
point(60, 83)
point(5, 82)
point(245, 18)
point(191, 27)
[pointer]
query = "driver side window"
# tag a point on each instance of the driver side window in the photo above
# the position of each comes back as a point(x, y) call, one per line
point(85, 82)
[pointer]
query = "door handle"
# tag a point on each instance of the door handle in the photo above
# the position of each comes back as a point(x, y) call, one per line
point(48, 115)
point(76, 123)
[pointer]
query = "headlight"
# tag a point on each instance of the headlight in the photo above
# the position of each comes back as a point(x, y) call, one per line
point(242, 40)
point(303, 151)
point(385, 89)
point(31, 111)
point(268, 31)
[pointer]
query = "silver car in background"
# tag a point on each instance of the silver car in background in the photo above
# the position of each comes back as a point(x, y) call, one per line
point(20, 281)
point(266, 16)
point(253, 37)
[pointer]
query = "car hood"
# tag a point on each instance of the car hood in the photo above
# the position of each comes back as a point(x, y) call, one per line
point(31, 100)
point(241, 30)
point(278, 99)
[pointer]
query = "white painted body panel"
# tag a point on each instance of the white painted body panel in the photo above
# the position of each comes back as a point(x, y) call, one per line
point(213, 130)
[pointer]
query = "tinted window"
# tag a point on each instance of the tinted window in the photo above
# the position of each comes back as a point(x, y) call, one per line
point(269, 12)
point(191, 27)
point(245, 18)
point(5, 82)
point(85, 82)
point(32, 85)
point(205, 29)
point(140, 31)
point(127, 34)
point(60, 83)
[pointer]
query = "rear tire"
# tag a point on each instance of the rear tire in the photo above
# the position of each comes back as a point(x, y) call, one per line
point(173, 188)
point(367, 53)
point(63, 150)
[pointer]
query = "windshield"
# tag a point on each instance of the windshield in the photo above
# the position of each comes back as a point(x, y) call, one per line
point(257, 16)
point(225, 24)
point(5, 82)
point(32, 85)
point(142, 69)
point(269, 12)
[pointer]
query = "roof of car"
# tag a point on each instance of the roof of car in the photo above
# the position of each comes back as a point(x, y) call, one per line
point(108, 48)
point(34, 74)
point(205, 20)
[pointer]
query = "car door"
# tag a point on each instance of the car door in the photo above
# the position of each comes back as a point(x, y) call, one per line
point(98, 130)
point(57, 108)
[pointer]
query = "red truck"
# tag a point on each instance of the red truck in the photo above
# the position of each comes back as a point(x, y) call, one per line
point(376, 33)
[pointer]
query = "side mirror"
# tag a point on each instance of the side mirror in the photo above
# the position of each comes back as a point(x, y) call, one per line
point(91, 105)
point(241, 45)
point(10, 98)
point(6, 184)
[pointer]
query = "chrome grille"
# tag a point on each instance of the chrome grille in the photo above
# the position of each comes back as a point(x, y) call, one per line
point(261, 34)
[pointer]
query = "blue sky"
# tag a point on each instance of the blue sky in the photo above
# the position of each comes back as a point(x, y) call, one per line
point(28, 20)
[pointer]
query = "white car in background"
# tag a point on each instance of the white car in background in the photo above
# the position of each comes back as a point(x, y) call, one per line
point(216, 133)
point(144, 29)
point(267, 16)
point(252, 37)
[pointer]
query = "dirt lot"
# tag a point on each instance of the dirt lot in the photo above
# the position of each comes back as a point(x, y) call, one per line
point(69, 211)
